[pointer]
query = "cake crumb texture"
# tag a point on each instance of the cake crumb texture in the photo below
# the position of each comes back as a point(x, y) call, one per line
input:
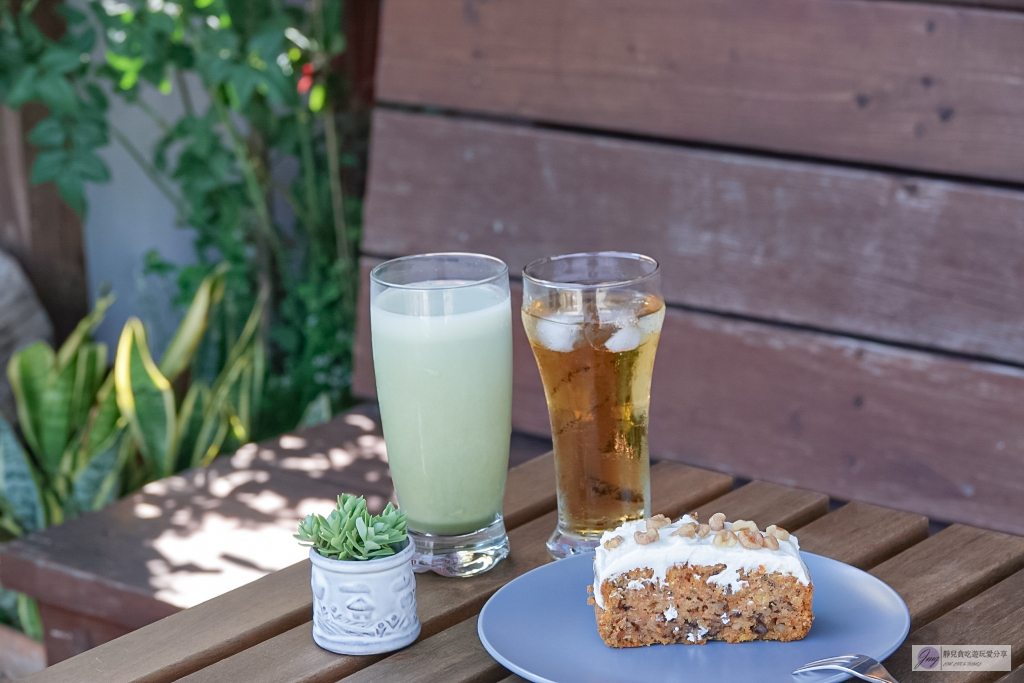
point(686, 608)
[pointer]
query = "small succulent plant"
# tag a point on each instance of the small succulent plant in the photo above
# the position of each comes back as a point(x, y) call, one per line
point(350, 532)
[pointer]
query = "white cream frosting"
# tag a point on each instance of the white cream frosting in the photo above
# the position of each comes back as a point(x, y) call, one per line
point(671, 550)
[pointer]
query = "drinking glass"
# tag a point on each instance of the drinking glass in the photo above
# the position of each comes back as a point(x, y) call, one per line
point(593, 321)
point(441, 327)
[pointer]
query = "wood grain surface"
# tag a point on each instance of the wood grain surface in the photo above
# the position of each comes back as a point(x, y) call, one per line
point(441, 602)
point(259, 617)
point(863, 535)
point(765, 503)
point(909, 85)
point(949, 568)
point(184, 642)
point(856, 420)
point(991, 618)
point(886, 256)
point(452, 656)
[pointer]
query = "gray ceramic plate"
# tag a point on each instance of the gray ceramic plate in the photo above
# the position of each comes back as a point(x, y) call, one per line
point(540, 627)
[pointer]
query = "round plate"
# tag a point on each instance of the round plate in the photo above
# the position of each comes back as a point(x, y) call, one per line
point(541, 627)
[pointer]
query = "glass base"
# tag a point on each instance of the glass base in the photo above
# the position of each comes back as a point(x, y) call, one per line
point(562, 544)
point(465, 555)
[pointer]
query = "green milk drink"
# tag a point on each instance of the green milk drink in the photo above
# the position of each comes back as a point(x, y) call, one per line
point(443, 360)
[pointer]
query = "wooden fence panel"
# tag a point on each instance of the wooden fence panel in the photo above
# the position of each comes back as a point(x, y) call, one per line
point(856, 420)
point(909, 85)
point(899, 258)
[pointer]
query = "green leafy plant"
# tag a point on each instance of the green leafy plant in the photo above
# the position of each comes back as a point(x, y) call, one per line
point(350, 532)
point(262, 89)
point(92, 434)
point(58, 73)
point(264, 165)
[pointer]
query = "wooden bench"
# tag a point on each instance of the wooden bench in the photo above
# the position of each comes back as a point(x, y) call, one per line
point(961, 585)
point(833, 190)
point(197, 535)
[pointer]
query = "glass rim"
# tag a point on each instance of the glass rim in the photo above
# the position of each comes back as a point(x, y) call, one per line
point(627, 255)
point(503, 271)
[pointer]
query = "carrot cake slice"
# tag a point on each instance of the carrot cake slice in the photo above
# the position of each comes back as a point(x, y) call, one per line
point(656, 581)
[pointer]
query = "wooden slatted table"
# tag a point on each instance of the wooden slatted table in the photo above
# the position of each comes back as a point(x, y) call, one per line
point(962, 585)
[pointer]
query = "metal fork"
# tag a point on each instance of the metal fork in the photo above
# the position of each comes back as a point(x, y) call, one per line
point(860, 666)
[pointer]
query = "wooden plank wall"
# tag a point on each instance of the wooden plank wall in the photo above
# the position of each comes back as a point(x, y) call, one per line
point(833, 190)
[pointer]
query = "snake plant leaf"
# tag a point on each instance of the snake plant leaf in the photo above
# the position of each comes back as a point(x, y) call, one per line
point(27, 372)
point(190, 332)
point(55, 427)
point(145, 399)
point(90, 371)
point(317, 412)
point(28, 616)
point(89, 491)
point(83, 331)
point(190, 422)
point(18, 486)
point(103, 421)
point(248, 334)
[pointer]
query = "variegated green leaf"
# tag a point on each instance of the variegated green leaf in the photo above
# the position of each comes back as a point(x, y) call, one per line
point(190, 422)
point(188, 335)
point(18, 486)
point(82, 332)
point(55, 427)
point(90, 493)
point(145, 399)
point(90, 371)
point(28, 372)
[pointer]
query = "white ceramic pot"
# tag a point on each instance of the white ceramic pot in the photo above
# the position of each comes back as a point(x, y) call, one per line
point(364, 607)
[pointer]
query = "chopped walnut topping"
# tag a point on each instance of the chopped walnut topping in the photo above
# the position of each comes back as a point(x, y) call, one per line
point(591, 601)
point(703, 530)
point(646, 537)
point(778, 532)
point(751, 540)
point(717, 521)
point(725, 539)
point(657, 521)
point(590, 589)
point(771, 542)
point(741, 524)
point(688, 530)
point(613, 542)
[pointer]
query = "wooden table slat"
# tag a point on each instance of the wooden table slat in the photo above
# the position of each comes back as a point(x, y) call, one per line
point(767, 503)
point(452, 656)
point(248, 615)
point(991, 618)
point(1015, 676)
point(441, 603)
point(952, 566)
point(863, 535)
point(199, 636)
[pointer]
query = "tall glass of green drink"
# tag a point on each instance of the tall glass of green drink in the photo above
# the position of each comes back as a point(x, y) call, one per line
point(441, 326)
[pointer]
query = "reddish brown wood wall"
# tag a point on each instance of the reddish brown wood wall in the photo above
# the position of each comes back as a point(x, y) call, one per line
point(833, 189)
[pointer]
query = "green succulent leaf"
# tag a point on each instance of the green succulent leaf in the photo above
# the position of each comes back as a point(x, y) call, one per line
point(349, 532)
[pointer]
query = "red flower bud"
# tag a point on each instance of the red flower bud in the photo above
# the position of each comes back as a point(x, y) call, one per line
point(307, 69)
point(305, 83)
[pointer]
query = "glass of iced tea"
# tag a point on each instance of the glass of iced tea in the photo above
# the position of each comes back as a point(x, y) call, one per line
point(593, 321)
